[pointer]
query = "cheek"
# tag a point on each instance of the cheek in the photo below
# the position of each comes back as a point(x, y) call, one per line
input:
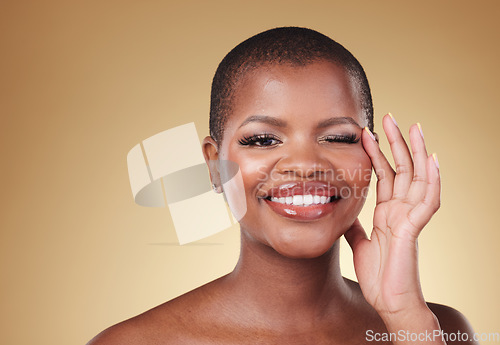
point(252, 172)
point(356, 173)
point(234, 191)
point(255, 172)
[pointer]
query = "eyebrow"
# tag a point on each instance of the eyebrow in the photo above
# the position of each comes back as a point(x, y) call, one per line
point(337, 121)
point(280, 123)
point(264, 119)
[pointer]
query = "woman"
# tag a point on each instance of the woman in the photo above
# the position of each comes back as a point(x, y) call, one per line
point(293, 110)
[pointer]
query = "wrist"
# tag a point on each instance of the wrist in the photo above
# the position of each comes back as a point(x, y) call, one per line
point(417, 323)
point(409, 316)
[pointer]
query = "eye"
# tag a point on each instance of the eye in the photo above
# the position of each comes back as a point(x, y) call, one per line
point(260, 140)
point(340, 138)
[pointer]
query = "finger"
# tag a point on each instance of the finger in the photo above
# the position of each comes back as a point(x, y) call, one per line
point(383, 170)
point(355, 235)
point(420, 215)
point(402, 158)
point(419, 183)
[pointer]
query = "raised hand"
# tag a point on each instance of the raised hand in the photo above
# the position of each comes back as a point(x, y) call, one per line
point(386, 265)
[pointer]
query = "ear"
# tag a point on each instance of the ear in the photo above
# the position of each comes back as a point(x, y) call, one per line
point(211, 155)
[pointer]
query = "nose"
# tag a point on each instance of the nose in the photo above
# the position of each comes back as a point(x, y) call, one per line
point(304, 160)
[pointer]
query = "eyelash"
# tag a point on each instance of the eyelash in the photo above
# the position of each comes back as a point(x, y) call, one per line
point(341, 138)
point(259, 139)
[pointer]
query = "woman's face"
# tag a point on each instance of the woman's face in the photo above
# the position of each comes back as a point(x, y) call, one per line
point(295, 133)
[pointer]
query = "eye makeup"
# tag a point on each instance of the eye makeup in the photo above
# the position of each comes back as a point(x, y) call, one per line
point(351, 138)
point(270, 140)
point(260, 140)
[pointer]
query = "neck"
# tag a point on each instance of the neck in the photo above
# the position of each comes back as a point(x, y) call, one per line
point(276, 286)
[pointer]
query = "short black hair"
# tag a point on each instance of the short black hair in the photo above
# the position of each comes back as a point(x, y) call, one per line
point(294, 46)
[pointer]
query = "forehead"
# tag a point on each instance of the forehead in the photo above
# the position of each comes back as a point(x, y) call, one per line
point(298, 93)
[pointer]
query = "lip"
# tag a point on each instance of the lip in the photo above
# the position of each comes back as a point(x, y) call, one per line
point(303, 213)
point(311, 212)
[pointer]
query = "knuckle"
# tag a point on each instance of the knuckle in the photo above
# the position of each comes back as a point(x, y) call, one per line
point(403, 169)
point(419, 178)
point(381, 174)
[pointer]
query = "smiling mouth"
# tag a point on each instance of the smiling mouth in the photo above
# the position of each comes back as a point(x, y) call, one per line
point(303, 200)
point(303, 207)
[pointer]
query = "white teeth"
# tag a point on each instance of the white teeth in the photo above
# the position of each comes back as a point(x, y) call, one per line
point(298, 200)
point(302, 200)
point(308, 200)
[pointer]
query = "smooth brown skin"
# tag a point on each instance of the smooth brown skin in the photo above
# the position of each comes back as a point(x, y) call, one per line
point(287, 287)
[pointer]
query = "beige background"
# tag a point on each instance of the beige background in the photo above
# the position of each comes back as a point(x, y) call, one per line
point(82, 82)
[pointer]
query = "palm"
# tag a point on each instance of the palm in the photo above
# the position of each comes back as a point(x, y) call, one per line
point(386, 264)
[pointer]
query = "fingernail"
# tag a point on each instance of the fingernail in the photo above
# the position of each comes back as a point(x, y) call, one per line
point(435, 158)
point(420, 129)
point(370, 133)
point(393, 119)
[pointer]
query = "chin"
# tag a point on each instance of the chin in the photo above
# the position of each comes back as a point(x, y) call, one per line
point(309, 246)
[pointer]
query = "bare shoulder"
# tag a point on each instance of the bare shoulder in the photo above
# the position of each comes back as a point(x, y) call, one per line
point(453, 324)
point(169, 323)
point(156, 326)
point(126, 333)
